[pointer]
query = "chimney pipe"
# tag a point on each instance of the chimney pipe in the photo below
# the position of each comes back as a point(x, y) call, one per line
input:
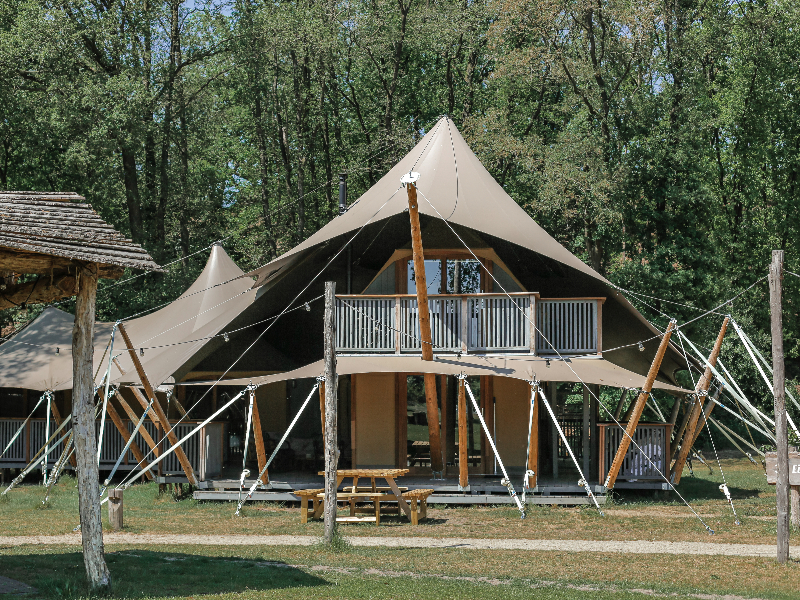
point(342, 193)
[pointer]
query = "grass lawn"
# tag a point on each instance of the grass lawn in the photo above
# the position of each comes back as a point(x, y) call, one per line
point(313, 572)
point(632, 516)
point(310, 572)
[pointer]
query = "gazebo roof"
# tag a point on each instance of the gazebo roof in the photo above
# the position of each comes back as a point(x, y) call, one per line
point(44, 231)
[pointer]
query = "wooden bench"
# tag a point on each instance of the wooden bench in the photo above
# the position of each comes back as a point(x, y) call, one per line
point(305, 495)
point(377, 488)
point(417, 496)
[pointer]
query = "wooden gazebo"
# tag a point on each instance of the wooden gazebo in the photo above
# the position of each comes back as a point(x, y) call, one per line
point(68, 247)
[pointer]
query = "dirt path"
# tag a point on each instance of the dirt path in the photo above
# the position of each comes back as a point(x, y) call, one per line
point(625, 547)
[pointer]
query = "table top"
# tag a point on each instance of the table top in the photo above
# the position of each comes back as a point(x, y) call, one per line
point(369, 472)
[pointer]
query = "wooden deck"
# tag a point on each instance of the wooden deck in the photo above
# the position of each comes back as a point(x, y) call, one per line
point(483, 490)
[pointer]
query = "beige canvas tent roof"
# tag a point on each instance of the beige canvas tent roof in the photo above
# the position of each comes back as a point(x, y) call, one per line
point(171, 336)
point(460, 188)
point(453, 184)
point(589, 370)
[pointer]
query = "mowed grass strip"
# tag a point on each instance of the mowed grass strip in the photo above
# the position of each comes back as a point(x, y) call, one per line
point(314, 572)
point(632, 516)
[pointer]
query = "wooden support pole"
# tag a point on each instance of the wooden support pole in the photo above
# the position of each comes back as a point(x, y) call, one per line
point(431, 396)
point(533, 443)
point(57, 418)
point(687, 414)
point(463, 451)
point(123, 431)
point(115, 508)
point(639, 405)
point(144, 402)
point(329, 410)
point(173, 439)
point(83, 428)
point(779, 392)
point(709, 406)
point(700, 391)
point(135, 418)
point(258, 438)
point(176, 401)
point(586, 430)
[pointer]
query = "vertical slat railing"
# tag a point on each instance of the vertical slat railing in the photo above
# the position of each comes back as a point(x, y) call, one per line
point(566, 326)
point(651, 439)
point(16, 453)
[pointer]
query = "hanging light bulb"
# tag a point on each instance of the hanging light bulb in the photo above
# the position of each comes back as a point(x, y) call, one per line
point(141, 351)
point(225, 337)
point(641, 347)
point(57, 349)
point(308, 307)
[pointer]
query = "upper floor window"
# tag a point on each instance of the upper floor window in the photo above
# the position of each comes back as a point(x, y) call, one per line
point(461, 276)
point(444, 276)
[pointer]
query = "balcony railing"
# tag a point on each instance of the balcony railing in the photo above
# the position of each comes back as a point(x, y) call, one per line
point(647, 460)
point(470, 322)
point(204, 450)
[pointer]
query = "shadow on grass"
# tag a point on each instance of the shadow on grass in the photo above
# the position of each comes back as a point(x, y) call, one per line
point(692, 489)
point(138, 573)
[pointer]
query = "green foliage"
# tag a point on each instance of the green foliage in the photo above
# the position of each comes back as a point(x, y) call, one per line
point(657, 141)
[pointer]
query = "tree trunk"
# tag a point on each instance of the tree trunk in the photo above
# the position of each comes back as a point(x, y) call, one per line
point(331, 387)
point(83, 428)
point(779, 391)
point(164, 192)
point(130, 178)
point(261, 142)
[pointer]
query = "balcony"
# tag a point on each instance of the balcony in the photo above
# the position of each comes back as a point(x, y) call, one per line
point(479, 323)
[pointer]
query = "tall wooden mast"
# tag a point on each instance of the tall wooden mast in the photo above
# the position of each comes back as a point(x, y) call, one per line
point(431, 398)
point(701, 390)
point(637, 408)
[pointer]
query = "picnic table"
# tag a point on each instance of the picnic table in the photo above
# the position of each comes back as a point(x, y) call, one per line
point(371, 492)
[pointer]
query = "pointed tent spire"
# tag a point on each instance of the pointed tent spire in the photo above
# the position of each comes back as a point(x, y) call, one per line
point(453, 185)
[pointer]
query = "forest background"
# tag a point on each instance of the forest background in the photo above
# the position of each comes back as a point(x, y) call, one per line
point(657, 140)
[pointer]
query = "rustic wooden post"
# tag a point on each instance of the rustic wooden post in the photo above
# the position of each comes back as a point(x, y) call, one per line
point(794, 513)
point(431, 396)
point(173, 439)
point(57, 420)
point(633, 422)
point(779, 391)
point(115, 508)
point(701, 390)
point(586, 429)
point(123, 431)
point(329, 430)
point(709, 406)
point(83, 428)
point(258, 437)
point(533, 443)
point(463, 451)
point(133, 417)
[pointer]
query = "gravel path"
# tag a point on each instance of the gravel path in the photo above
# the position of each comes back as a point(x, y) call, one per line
point(626, 547)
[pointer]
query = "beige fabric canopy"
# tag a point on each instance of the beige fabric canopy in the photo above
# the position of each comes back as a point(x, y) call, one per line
point(29, 360)
point(462, 191)
point(589, 370)
point(458, 185)
point(171, 336)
